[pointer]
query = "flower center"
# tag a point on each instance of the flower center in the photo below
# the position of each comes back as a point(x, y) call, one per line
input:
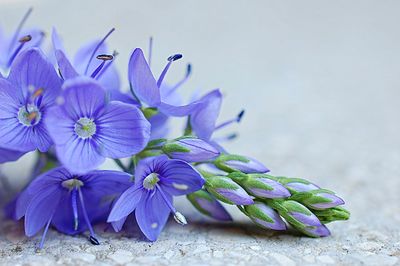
point(29, 115)
point(150, 181)
point(85, 128)
point(72, 183)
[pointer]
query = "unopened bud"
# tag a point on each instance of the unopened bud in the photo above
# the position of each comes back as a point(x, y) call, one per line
point(190, 150)
point(205, 203)
point(226, 190)
point(264, 216)
point(244, 164)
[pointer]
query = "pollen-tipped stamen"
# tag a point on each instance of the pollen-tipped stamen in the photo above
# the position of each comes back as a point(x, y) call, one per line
point(237, 119)
point(22, 42)
point(178, 217)
point(170, 59)
point(105, 58)
point(18, 30)
point(92, 237)
point(106, 65)
point(97, 48)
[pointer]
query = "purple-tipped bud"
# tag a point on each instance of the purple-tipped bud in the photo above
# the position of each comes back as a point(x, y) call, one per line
point(264, 216)
point(300, 185)
point(226, 190)
point(318, 231)
point(263, 187)
point(302, 219)
point(208, 205)
point(190, 150)
point(244, 164)
point(323, 200)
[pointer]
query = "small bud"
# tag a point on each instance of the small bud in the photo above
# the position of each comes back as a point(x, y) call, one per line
point(264, 216)
point(302, 219)
point(179, 218)
point(321, 200)
point(233, 163)
point(190, 150)
point(261, 186)
point(298, 184)
point(205, 203)
point(332, 214)
point(226, 190)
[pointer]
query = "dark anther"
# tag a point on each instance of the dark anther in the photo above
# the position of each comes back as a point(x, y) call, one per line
point(26, 38)
point(94, 240)
point(105, 57)
point(240, 115)
point(174, 57)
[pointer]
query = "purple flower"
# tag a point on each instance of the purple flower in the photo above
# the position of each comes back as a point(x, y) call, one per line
point(205, 203)
point(25, 98)
point(11, 46)
point(70, 203)
point(147, 89)
point(157, 179)
point(265, 216)
point(226, 190)
point(190, 150)
point(86, 128)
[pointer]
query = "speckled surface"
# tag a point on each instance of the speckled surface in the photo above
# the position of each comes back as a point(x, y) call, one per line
point(321, 86)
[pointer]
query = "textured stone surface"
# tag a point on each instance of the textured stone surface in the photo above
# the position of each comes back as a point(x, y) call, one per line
point(320, 83)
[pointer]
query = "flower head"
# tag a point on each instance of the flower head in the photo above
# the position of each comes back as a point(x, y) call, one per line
point(70, 203)
point(25, 98)
point(157, 180)
point(86, 128)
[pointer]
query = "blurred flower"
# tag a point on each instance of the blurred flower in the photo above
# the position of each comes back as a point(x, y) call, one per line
point(11, 46)
point(86, 128)
point(71, 203)
point(157, 179)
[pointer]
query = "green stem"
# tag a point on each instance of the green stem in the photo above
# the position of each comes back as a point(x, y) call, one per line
point(121, 165)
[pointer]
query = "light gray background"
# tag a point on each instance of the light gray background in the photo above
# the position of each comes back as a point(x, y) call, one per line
point(320, 83)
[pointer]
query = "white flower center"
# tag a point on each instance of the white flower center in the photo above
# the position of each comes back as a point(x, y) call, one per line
point(29, 115)
point(85, 128)
point(72, 183)
point(150, 181)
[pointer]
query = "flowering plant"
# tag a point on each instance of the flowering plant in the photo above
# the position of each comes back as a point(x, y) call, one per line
point(78, 115)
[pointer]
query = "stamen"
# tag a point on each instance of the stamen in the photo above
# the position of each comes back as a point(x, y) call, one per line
point(150, 50)
point(234, 120)
point(74, 204)
point(97, 48)
point(18, 30)
point(22, 42)
point(107, 65)
point(170, 59)
point(45, 232)
point(179, 218)
point(92, 237)
point(105, 58)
